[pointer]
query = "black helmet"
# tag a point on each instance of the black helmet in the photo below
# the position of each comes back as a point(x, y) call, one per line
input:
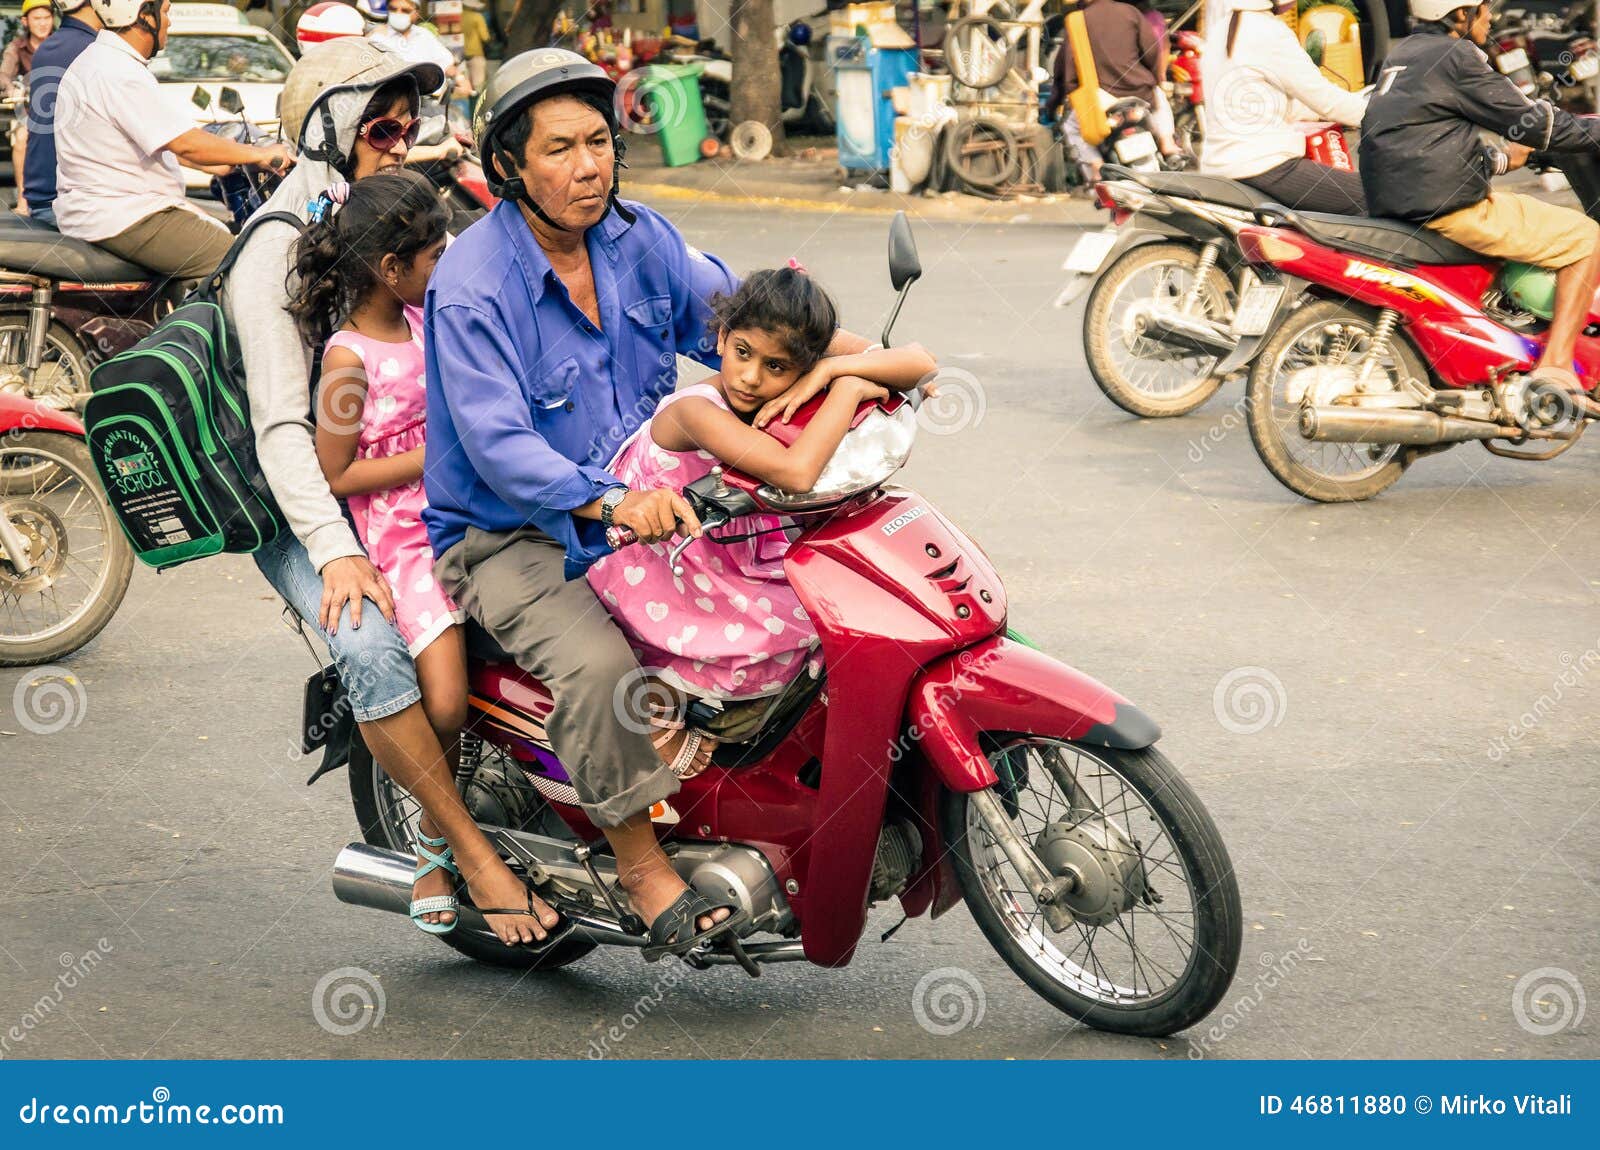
point(522, 82)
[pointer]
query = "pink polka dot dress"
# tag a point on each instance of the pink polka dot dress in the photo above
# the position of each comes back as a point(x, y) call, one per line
point(730, 627)
point(390, 522)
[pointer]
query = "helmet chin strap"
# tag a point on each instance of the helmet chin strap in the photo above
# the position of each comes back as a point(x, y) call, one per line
point(515, 189)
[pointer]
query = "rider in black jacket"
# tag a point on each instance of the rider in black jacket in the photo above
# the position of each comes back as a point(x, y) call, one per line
point(1422, 159)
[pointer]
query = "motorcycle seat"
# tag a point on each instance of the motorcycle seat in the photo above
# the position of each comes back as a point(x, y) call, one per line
point(1391, 241)
point(1193, 186)
point(35, 249)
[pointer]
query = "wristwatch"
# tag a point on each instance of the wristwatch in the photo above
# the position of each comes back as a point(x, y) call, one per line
point(610, 501)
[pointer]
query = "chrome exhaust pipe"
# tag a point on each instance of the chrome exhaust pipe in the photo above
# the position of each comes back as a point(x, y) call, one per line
point(369, 876)
point(1410, 426)
point(1186, 332)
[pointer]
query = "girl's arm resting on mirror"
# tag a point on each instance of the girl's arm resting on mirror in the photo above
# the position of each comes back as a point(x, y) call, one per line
point(340, 398)
point(696, 423)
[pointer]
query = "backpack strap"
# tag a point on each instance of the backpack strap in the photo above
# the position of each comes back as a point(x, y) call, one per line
point(213, 283)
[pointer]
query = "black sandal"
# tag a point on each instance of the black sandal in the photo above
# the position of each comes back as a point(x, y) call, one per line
point(667, 932)
point(553, 934)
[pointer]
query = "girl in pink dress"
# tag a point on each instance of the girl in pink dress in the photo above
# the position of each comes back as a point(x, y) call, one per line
point(730, 627)
point(364, 264)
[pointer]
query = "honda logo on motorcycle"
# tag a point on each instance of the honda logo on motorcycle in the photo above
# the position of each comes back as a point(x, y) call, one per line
point(900, 521)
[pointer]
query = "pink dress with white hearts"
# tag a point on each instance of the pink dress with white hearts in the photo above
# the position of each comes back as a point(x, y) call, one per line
point(390, 522)
point(731, 627)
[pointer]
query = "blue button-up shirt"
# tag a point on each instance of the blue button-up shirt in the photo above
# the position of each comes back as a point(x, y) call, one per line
point(53, 58)
point(528, 401)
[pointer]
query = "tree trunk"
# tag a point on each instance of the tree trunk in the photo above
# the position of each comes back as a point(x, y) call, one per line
point(757, 93)
point(530, 25)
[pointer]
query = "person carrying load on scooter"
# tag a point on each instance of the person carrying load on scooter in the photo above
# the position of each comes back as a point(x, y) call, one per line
point(1258, 83)
point(721, 622)
point(1422, 159)
point(1127, 63)
point(553, 329)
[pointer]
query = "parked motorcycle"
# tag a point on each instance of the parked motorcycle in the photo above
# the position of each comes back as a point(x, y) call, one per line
point(804, 111)
point(937, 759)
point(64, 563)
point(1164, 324)
point(1407, 345)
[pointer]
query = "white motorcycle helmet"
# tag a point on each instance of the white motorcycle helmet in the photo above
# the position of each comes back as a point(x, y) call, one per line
point(1433, 11)
point(328, 21)
point(117, 15)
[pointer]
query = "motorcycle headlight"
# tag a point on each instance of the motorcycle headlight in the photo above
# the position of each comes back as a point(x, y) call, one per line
point(870, 453)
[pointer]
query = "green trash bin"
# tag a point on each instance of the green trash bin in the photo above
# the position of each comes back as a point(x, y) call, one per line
point(672, 95)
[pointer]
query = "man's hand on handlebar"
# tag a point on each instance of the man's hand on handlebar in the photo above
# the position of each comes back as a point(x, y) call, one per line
point(1517, 155)
point(656, 515)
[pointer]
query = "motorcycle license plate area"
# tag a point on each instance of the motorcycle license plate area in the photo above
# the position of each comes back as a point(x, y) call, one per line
point(1509, 62)
point(1585, 67)
point(1090, 251)
point(1132, 149)
point(1256, 309)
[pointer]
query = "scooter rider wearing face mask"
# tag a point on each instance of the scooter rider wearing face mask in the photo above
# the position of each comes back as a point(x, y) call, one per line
point(1422, 159)
point(401, 34)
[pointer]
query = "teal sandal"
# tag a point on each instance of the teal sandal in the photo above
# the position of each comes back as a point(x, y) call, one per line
point(439, 902)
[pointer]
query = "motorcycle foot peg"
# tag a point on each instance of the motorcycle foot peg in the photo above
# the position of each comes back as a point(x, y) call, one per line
point(751, 967)
point(633, 924)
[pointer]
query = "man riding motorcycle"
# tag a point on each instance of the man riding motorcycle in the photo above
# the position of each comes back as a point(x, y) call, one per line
point(553, 330)
point(1257, 77)
point(1422, 159)
point(119, 143)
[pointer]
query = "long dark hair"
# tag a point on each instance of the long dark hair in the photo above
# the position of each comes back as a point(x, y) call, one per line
point(787, 302)
point(335, 261)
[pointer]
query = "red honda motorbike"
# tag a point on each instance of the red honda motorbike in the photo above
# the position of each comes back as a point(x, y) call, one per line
point(937, 759)
point(64, 562)
point(1405, 344)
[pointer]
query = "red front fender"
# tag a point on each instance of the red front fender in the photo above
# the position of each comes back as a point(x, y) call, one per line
point(20, 414)
point(999, 685)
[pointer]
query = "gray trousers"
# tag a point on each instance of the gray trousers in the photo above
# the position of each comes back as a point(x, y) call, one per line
point(513, 585)
point(174, 242)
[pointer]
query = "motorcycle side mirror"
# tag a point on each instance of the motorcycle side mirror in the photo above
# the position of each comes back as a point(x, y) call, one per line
point(232, 102)
point(904, 266)
point(200, 98)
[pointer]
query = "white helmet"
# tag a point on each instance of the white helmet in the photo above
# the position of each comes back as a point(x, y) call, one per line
point(1431, 11)
point(328, 21)
point(119, 14)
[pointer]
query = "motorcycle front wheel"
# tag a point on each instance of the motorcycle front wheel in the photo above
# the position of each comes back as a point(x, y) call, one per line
point(1157, 922)
point(79, 562)
point(498, 793)
point(1138, 374)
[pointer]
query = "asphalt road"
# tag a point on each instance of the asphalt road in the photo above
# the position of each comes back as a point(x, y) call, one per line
point(1425, 865)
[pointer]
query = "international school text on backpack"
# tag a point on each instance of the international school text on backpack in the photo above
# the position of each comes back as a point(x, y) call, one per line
point(169, 431)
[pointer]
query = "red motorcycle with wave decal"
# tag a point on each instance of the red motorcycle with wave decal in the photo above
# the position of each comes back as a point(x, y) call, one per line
point(937, 759)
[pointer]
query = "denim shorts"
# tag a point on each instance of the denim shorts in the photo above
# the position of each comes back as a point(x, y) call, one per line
point(378, 675)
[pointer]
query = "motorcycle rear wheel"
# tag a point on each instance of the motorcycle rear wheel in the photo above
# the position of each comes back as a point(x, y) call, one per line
point(54, 498)
point(1177, 846)
point(1136, 373)
point(388, 818)
point(1325, 334)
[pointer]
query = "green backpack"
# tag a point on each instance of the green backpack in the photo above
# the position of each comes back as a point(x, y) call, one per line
point(169, 431)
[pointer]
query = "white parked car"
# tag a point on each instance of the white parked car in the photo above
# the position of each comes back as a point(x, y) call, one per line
point(212, 46)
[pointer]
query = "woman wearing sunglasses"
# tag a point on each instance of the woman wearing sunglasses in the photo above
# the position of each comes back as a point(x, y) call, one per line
point(350, 107)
